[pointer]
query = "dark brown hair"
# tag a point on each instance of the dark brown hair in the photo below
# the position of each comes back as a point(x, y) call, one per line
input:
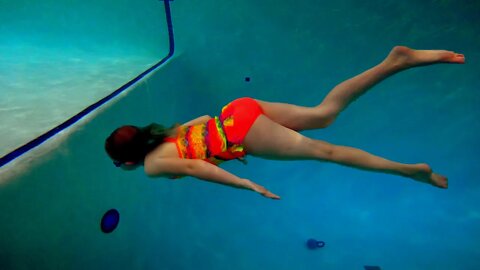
point(131, 143)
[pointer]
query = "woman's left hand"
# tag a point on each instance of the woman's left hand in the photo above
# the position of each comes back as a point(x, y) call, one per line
point(263, 191)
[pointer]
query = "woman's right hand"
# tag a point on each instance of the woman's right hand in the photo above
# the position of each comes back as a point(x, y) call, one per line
point(263, 191)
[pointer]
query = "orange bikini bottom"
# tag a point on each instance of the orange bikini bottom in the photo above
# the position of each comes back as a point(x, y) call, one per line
point(238, 117)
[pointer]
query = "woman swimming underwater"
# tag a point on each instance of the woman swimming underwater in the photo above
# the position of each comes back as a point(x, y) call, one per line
point(268, 130)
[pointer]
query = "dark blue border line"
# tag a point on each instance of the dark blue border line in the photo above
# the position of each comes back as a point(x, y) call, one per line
point(42, 138)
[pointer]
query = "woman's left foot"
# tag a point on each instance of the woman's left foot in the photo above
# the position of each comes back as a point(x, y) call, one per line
point(423, 173)
point(403, 57)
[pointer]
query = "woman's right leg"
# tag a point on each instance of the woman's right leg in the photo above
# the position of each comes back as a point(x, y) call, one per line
point(400, 58)
point(268, 139)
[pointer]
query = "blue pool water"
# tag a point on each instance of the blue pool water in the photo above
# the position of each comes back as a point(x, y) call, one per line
point(51, 206)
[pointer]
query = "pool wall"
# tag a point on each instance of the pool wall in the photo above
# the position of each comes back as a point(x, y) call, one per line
point(293, 53)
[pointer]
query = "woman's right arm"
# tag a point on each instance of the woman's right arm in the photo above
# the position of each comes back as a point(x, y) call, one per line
point(164, 167)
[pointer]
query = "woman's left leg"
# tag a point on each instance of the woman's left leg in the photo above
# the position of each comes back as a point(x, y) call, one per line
point(400, 58)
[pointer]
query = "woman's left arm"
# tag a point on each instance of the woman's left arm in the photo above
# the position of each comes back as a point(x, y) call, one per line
point(202, 170)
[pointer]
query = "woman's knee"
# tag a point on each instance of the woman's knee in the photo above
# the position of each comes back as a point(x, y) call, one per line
point(322, 117)
point(323, 150)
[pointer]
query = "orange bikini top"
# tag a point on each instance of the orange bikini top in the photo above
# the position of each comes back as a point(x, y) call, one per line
point(207, 142)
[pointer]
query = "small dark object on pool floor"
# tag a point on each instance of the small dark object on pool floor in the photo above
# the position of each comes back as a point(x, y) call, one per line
point(110, 221)
point(314, 244)
point(372, 267)
point(247, 79)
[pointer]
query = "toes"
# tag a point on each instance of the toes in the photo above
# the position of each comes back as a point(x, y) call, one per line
point(440, 181)
point(454, 58)
point(459, 58)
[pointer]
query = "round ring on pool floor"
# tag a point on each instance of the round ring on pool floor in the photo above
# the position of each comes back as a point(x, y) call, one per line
point(314, 244)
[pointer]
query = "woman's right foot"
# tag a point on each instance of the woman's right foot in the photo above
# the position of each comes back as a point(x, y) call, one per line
point(403, 57)
point(423, 173)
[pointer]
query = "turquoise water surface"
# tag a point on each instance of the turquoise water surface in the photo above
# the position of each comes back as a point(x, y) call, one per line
point(295, 52)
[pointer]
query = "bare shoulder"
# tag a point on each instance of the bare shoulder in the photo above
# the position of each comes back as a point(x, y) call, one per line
point(163, 151)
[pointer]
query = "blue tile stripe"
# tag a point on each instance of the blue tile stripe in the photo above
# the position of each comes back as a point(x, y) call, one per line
point(47, 135)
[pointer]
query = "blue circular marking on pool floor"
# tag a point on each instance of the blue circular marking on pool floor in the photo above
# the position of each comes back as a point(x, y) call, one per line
point(110, 221)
